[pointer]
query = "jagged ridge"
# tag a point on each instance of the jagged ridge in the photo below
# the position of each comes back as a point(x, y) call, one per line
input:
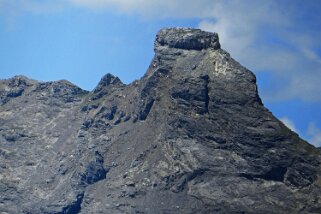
point(191, 136)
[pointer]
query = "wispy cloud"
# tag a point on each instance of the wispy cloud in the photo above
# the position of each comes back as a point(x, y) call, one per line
point(289, 123)
point(32, 6)
point(12, 10)
point(157, 8)
point(314, 134)
point(280, 45)
point(310, 54)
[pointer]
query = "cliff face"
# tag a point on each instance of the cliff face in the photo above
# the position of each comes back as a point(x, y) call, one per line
point(191, 136)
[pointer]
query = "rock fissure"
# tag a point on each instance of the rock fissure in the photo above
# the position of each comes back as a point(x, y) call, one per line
point(75, 207)
point(275, 174)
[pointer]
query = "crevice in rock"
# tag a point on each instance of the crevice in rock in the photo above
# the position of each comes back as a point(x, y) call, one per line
point(15, 93)
point(207, 97)
point(94, 171)
point(180, 186)
point(111, 114)
point(300, 176)
point(275, 174)
point(74, 207)
point(144, 113)
point(108, 112)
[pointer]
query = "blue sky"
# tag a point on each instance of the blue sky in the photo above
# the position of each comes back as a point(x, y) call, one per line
point(81, 40)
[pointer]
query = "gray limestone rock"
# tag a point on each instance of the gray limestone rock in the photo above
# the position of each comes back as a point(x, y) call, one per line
point(191, 136)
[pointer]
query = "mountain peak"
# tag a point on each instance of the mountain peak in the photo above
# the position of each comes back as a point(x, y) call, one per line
point(19, 80)
point(191, 136)
point(106, 81)
point(187, 38)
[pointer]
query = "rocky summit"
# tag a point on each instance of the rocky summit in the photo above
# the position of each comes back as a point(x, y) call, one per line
point(191, 136)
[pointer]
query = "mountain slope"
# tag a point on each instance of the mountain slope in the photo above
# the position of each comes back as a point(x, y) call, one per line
point(191, 136)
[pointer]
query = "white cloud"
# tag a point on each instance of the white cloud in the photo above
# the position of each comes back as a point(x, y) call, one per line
point(32, 6)
point(314, 134)
point(311, 55)
point(12, 10)
point(289, 123)
point(290, 57)
point(154, 9)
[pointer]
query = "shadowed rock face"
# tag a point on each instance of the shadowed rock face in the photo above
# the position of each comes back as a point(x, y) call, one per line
point(191, 136)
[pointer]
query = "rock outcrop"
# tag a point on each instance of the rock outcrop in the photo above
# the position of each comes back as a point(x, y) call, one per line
point(191, 136)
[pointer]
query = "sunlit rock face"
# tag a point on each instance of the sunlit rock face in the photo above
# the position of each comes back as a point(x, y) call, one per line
point(191, 136)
